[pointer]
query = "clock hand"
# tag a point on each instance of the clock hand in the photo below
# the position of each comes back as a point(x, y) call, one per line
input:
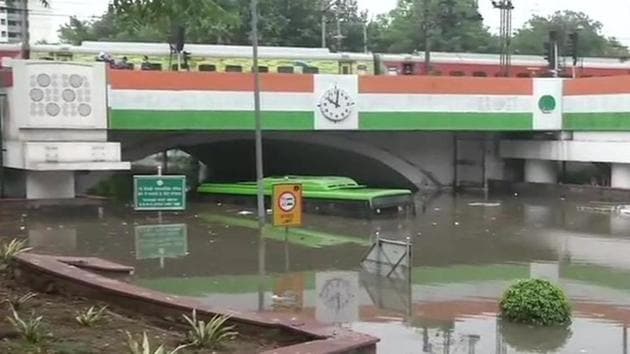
point(337, 99)
point(331, 101)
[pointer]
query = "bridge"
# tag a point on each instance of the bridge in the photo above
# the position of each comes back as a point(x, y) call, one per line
point(61, 120)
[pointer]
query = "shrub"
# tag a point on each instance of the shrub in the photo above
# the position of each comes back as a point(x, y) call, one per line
point(211, 334)
point(17, 301)
point(536, 302)
point(135, 347)
point(90, 317)
point(9, 251)
point(30, 329)
point(534, 339)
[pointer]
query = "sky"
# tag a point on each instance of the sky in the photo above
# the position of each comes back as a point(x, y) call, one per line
point(614, 14)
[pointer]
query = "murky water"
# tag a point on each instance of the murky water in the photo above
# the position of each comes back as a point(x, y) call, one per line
point(464, 254)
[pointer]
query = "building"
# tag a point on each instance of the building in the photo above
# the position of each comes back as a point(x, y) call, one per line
point(12, 24)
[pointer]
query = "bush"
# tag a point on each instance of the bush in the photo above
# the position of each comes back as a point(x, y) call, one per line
point(536, 302)
point(533, 339)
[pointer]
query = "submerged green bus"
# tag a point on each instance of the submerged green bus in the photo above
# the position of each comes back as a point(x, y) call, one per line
point(325, 194)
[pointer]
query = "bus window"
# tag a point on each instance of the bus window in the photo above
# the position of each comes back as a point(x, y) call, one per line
point(310, 70)
point(285, 69)
point(480, 74)
point(207, 67)
point(233, 69)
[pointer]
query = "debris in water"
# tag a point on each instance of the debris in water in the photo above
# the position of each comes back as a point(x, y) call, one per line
point(484, 204)
point(516, 194)
point(456, 223)
point(22, 228)
point(434, 224)
point(436, 209)
point(124, 223)
point(219, 204)
point(245, 212)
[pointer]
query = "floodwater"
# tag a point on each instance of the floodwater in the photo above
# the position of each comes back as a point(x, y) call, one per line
point(465, 252)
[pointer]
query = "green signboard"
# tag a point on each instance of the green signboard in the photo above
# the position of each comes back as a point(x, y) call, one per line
point(159, 192)
point(161, 241)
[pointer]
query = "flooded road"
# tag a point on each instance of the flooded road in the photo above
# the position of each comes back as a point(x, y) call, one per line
point(465, 252)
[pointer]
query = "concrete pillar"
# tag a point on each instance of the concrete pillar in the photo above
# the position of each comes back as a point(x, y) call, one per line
point(203, 172)
point(620, 176)
point(541, 171)
point(50, 185)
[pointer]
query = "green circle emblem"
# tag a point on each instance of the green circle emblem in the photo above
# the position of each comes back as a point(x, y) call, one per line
point(547, 103)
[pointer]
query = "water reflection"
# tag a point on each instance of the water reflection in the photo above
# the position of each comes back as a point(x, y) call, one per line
point(466, 251)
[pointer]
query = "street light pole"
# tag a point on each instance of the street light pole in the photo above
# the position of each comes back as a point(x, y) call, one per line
point(257, 118)
point(260, 195)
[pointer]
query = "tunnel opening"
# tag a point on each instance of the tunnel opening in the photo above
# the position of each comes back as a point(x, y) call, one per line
point(231, 161)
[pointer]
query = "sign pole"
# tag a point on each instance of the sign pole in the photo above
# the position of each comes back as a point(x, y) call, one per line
point(286, 249)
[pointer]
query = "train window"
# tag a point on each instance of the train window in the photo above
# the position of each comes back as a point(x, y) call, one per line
point(392, 70)
point(207, 67)
point(151, 66)
point(480, 74)
point(310, 70)
point(233, 69)
point(457, 73)
point(285, 69)
point(408, 69)
point(174, 67)
point(522, 75)
point(262, 69)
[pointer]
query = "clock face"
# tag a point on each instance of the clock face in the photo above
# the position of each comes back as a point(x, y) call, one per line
point(336, 104)
point(336, 294)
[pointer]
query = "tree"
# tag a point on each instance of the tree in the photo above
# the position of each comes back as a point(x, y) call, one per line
point(451, 25)
point(204, 20)
point(531, 38)
point(281, 23)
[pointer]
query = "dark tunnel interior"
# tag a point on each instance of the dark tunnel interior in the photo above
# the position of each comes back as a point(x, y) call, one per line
point(235, 161)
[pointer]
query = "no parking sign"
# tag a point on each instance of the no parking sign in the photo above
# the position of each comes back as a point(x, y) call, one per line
point(287, 205)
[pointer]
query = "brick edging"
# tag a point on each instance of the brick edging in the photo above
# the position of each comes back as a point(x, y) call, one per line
point(68, 272)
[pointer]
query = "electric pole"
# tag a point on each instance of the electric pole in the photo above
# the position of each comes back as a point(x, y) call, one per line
point(325, 5)
point(505, 7)
point(24, 30)
point(426, 28)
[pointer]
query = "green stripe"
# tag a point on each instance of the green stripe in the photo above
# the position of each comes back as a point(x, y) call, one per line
point(444, 121)
point(606, 121)
point(208, 120)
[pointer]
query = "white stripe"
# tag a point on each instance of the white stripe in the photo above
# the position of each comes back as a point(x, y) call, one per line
point(160, 100)
point(377, 102)
point(547, 120)
point(597, 103)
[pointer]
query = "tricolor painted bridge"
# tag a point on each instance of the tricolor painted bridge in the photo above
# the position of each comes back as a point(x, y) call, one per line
point(424, 132)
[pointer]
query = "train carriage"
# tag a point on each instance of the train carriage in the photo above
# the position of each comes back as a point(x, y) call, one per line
point(297, 60)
